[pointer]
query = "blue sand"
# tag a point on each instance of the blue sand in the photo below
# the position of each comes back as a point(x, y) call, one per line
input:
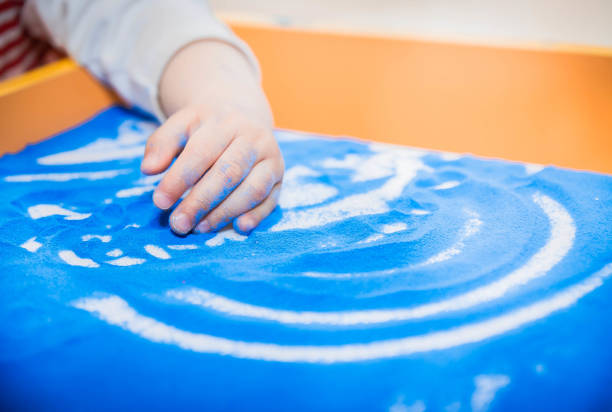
point(389, 279)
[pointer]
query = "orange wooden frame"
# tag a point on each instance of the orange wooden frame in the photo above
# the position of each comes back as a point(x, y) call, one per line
point(529, 104)
point(46, 101)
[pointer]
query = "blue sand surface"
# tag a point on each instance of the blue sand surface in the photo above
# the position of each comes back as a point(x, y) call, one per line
point(389, 279)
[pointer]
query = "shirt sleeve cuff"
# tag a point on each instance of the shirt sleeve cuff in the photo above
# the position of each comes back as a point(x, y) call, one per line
point(163, 35)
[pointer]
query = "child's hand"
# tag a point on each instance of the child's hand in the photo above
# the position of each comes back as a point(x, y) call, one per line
point(221, 129)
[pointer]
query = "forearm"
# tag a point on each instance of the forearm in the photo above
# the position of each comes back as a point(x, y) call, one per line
point(217, 73)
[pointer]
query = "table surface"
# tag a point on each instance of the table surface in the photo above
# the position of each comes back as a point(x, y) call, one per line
point(389, 278)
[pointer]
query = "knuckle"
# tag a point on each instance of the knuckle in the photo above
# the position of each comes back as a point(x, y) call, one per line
point(275, 195)
point(201, 200)
point(279, 168)
point(230, 171)
point(225, 214)
point(259, 133)
point(259, 191)
point(224, 118)
point(173, 181)
point(193, 125)
point(246, 150)
point(191, 113)
point(189, 175)
point(195, 150)
point(269, 148)
point(277, 154)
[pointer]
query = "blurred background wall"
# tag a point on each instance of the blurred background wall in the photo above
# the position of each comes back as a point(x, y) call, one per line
point(578, 22)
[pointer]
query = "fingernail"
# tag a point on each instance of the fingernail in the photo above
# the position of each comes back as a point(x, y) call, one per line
point(202, 227)
point(180, 223)
point(161, 200)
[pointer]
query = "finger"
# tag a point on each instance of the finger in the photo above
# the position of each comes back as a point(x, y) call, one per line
point(201, 151)
point(254, 189)
point(168, 140)
point(227, 172)
point(251, 219)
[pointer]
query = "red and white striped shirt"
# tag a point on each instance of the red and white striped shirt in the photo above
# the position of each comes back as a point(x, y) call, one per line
point(19, 52)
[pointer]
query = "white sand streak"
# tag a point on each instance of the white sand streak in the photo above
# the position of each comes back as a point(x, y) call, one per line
point(183, 247)
point(405, 164)
point(394, 227)
point(470, 229)
point(134, 191)
point(486, 388)
point(222, 236)
point(114, 253)
point(46, 210)
point(126, 261)
point(559, 243)
point(128, 144)
point(31, 245)
point(101, 238)
point(447, 185)
point(297, 192)
point(116, 311)
point(72, 259)
point(65, 177)
point(157, 252)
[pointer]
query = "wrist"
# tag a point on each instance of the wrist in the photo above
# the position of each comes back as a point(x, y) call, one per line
point(206, 73)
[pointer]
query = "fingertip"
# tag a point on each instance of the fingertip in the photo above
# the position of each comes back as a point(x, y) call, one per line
point(244, 224)
point(202, 227)
point(152, 160)
point(147, 166)
point(162, 200)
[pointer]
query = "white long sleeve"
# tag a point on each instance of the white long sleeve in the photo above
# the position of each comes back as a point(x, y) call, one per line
point(127, 43)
